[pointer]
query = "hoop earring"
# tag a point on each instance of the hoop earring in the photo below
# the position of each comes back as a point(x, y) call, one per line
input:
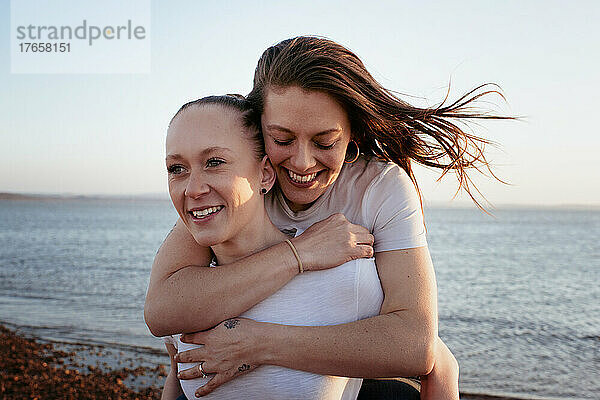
point(357, 152)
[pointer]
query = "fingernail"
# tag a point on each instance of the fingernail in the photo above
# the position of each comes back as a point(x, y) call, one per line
point(198, 394)
point(179, 374)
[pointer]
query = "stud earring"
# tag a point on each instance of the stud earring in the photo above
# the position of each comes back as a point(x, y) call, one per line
point(263, 191)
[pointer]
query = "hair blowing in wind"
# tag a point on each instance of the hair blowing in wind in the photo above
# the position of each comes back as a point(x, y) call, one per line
point(383, 125)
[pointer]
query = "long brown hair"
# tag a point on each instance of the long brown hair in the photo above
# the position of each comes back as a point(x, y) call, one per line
point(383, 125)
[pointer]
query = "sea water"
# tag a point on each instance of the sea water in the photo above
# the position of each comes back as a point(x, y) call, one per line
point(519, 293)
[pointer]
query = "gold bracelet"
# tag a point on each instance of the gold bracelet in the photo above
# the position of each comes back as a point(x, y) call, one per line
point(300, 267)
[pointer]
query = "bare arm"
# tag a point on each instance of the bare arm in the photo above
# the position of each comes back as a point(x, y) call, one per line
point(401, 341)
point(185, 296)
point(442, 382)
point(398, 342)
point(172, 388)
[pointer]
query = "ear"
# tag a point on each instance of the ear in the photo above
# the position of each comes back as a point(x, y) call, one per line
point(268, 175)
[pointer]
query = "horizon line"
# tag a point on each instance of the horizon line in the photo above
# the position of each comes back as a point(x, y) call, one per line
point(164, 196)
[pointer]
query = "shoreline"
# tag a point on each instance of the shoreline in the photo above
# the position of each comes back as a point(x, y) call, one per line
point(33, 368)
point(36, 368)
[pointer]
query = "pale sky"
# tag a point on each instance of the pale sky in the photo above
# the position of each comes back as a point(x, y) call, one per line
point(104, 133)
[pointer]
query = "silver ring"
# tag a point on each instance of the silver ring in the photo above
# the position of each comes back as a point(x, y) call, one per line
point(202, 374)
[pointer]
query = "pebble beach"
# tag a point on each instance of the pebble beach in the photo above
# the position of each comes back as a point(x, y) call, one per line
point(36, 369)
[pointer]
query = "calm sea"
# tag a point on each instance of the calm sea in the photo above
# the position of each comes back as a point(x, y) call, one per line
point(519, 293)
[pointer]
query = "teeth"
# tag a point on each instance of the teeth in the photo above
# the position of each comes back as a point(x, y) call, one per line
point(207, 211)
point(302, 178)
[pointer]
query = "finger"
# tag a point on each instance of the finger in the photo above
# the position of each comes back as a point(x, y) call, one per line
point(196, 372)
point(195, 337)
point(190, 373)
point(337, 216)
point(365, 251)
point(194, 355)
point(358, 229)
point(365, 238)
point(215, 382)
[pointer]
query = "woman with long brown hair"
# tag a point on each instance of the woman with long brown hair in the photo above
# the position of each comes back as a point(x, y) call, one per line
point(339, 143)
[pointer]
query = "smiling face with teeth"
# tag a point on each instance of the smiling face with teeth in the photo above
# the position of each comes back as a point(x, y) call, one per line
point(306, 135)
point(214, 175)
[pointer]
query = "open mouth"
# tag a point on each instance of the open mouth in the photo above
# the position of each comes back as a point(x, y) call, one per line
point(302, 179)
point(205, 212)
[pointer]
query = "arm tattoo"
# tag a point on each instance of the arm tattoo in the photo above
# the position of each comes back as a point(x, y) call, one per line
point(243, 367)
point(231, 323)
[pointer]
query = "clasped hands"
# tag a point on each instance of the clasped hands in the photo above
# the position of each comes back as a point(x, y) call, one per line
point(229, 350)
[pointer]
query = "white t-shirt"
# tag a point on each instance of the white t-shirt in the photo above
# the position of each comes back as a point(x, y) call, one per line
point(377, 195)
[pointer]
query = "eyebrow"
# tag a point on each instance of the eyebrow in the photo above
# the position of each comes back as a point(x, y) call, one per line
point(214, 149)
point(286, 130)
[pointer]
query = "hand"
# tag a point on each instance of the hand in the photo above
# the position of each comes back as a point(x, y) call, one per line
point(332, 242)
point(230, 349)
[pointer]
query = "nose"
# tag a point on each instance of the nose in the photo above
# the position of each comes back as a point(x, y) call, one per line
point(196, 185)
point(303, 158)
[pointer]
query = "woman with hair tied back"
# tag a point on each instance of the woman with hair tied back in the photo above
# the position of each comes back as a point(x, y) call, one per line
point(341, 147)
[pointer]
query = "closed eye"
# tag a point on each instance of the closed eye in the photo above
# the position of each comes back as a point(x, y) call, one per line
point(282, 142)
point(325, 146)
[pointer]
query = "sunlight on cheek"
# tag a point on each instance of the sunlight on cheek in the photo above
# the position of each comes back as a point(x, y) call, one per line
point(243, 190)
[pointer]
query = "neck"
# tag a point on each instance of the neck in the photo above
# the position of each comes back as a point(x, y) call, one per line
point(297, 207)
point(257, 235)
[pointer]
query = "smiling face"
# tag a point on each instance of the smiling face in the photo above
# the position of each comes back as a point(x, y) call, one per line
point(214, 176)
point(306, 135)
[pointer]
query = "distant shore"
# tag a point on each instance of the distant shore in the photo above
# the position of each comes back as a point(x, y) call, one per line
point(67, 197)
point(165, 197)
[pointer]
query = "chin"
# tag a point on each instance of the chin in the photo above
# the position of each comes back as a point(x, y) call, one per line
point(207, 239)
point(303, 200)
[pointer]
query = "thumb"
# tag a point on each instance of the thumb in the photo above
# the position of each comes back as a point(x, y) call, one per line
point(194, 337)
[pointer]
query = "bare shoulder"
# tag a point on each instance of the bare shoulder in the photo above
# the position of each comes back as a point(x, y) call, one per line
point(178, 251)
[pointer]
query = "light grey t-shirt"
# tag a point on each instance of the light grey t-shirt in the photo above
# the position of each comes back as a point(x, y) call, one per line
point(377, 195)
